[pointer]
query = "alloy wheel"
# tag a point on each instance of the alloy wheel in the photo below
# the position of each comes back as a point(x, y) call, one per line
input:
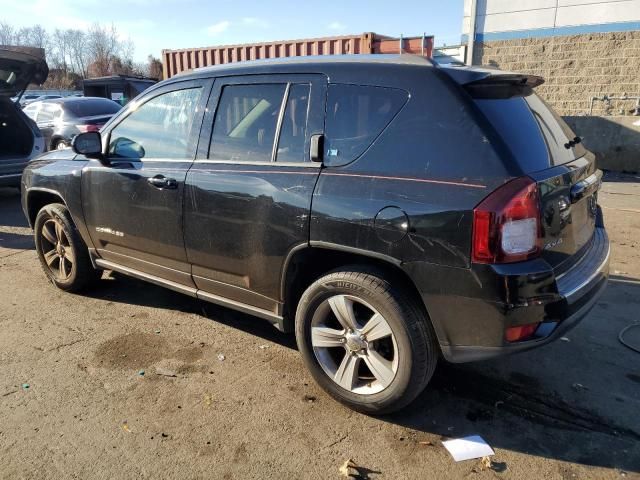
point(354, 344)
point(56, 249)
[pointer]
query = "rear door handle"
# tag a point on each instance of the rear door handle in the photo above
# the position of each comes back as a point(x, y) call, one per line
point(160, 181)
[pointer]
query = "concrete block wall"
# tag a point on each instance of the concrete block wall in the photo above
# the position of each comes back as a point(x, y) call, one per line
point(575, 67)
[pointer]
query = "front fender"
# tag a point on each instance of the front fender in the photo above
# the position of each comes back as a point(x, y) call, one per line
point(55, 176)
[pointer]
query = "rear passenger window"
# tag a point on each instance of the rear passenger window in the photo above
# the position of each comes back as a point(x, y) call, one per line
point(246, 121)
point(356, 115)
point(293, 131)
point(45, 115)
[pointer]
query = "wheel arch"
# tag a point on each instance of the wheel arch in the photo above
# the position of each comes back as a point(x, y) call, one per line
point(38, 198)
point(306, 263)
point(55, 139)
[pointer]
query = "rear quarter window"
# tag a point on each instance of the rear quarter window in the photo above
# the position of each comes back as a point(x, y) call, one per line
point(356, 115)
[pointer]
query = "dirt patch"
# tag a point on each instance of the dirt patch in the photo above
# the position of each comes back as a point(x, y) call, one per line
point(189, 354)
point(133, 350)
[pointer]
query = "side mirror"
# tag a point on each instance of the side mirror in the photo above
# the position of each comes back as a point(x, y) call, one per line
point(88, 144)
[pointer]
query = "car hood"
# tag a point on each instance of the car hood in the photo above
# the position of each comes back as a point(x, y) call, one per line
point(19, 67)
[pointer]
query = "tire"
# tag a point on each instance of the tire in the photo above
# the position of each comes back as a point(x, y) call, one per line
point(63, 255)
point(403, 354)
point(60, 144)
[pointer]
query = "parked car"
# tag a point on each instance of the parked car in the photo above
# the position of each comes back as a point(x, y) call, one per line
point(20, 138)
point(40, 98)
point(27, 97)
point(62, 119)
point(386, 210)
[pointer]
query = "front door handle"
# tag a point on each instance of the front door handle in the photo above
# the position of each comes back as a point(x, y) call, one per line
point(160, 181)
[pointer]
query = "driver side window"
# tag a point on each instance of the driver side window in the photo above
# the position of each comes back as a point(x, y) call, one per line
point(159, 128)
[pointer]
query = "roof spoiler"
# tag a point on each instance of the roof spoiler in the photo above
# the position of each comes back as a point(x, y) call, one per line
point(490, 83)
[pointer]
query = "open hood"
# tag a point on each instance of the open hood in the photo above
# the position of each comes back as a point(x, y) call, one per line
point(19, 67)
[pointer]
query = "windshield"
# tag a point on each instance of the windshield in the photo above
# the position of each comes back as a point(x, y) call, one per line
point(90, 108)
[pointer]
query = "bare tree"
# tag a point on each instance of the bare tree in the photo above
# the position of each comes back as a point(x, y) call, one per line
point(6, 34)
point(38, 37)
point(35, 36)
point(21, 36)
point(60, 49)
point(103, 45)
point(79, 53)
point(154, 67)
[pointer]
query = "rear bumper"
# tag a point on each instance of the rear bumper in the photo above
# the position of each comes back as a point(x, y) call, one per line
point(576, 292)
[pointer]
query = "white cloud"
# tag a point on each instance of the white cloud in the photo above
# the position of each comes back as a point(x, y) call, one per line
point(255, 22)
point(218, 28)
point(336, 26)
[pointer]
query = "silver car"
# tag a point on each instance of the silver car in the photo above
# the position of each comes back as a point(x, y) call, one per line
point(20, 138)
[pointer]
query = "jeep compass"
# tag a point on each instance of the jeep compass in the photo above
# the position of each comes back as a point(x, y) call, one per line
point(384, 209)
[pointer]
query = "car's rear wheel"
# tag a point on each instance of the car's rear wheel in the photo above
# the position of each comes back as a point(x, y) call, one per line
point(60, 145)
point(62, 252)
point(368, 344)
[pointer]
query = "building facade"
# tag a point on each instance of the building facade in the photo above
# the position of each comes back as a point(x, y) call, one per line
point(584, 49)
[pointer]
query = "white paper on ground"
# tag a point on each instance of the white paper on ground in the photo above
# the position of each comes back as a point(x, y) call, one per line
point(468, 447)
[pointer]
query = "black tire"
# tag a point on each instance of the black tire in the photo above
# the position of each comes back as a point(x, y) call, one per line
point(59, 144)
point(81, 273)
point(417, 347)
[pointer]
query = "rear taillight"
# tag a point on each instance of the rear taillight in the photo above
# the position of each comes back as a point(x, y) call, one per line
point(506, 224)
point(88, 128)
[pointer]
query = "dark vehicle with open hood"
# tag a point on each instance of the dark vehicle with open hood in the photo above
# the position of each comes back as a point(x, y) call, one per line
point(387, 210)
point(20, 138)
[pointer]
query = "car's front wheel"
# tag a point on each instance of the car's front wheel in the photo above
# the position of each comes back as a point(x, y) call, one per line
point(365, 342)
point(62, 252)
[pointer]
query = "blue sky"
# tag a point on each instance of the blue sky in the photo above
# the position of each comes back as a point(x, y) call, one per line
point(156, 24)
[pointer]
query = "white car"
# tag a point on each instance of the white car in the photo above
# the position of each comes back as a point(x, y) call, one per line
point(20, 138)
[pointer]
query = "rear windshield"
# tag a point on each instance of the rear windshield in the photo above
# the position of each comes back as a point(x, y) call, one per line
point(90, 108)
point(533, 132)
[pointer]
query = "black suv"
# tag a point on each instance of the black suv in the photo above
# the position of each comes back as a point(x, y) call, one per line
point(387, 210)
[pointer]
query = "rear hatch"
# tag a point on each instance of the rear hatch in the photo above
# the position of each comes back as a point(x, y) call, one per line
point(19, 67)
point(542, 146)
point(90, 112)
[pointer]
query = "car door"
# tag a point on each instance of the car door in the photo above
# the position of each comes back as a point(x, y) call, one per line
point(45, 118)
point(133, 206)
point(248, 195)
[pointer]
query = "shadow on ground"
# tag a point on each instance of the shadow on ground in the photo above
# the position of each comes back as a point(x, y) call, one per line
point(14, 232)
point(516, 403)
point(10, 210)
point(115, 287)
